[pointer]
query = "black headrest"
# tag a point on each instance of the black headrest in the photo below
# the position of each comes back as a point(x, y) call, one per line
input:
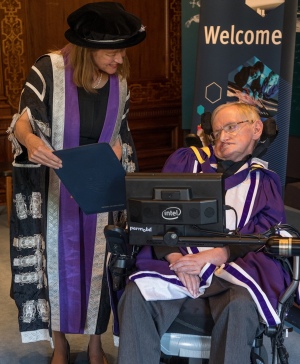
point(268, 135)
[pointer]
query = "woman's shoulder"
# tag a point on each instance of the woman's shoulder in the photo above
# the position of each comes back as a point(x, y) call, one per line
point(43, 60)
point(46, 61)
point(43, 65)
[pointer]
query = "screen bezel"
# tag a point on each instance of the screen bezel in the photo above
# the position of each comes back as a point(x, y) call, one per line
point(207, 187)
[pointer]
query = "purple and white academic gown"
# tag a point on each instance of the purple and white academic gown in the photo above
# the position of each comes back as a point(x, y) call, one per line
point(58, 252)
point(255, 193)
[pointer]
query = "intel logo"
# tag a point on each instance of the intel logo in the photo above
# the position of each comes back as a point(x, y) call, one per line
point(171, 213)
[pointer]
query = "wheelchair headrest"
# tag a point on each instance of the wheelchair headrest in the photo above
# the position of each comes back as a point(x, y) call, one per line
point(268, 135)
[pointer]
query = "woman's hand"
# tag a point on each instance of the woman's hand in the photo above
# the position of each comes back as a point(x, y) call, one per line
point(38, 152)
point(117, 148)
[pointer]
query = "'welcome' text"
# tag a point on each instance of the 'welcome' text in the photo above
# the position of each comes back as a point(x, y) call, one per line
point(214, 34)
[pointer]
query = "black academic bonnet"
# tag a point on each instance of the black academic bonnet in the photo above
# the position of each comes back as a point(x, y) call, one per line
point(104, 25)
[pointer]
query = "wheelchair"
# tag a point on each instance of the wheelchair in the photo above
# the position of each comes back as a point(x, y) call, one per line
point(187, 341)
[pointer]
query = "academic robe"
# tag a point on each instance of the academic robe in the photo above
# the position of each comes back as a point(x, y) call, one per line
point(57, 252)
point(254, 193)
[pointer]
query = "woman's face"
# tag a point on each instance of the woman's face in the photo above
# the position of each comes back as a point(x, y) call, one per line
point(107, 60)
point(235, 146)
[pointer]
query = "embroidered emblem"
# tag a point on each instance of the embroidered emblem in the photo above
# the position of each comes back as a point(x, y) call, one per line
point(30, 278)
point(39, 260)
point(32, 308)
point(27, 261)
point(15, 144)
point(29, 311)
point(26, 278)
point(21, 207)
point(127, 163)
point(44, 127)
point(43, 310)
point(28, 242)
point(35, 260)
point(35, 205)
point(40, 279)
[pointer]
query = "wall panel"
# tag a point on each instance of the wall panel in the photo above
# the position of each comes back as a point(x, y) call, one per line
point(33, 27)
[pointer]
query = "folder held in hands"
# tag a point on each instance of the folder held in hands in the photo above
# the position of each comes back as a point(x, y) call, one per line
point(94, 177)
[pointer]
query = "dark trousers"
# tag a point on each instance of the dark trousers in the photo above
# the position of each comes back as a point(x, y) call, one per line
point(142, 323)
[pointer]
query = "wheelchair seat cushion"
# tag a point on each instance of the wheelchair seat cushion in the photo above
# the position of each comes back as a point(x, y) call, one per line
point(194, 318)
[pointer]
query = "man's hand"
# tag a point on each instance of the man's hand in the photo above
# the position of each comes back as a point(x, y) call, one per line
point(190, 263)
point(193, 263)
point(190, 281)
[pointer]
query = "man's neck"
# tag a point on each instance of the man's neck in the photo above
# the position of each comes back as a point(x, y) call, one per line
point(228, 167)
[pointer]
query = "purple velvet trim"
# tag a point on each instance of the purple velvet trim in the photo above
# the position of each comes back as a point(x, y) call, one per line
point(145, 261)
point(194, 249)
point(268, 273)
point(209, 271)
point(112, 110)
point(183, 160)
point(236, 179)
point(248, 200)
point(76, 234)
point(235, 273)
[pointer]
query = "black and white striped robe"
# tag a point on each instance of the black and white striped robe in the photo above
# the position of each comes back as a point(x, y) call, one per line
point(39, 259)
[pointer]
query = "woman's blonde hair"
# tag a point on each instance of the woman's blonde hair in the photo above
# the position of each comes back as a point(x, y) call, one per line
point(81, 61)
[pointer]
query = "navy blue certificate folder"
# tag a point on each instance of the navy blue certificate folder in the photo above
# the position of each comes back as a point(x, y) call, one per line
point(94, 177)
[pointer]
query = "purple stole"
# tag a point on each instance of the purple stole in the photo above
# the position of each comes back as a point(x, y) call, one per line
point(183, 161)
point(77, 230)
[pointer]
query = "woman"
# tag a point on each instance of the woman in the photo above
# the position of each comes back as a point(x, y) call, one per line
point(72, 97)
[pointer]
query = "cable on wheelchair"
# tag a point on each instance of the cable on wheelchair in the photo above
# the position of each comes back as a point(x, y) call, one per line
point(123, 256)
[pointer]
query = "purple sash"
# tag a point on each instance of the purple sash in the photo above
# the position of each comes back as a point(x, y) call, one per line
point(77, 230)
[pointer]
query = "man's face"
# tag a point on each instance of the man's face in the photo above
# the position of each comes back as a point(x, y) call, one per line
point(236, 145)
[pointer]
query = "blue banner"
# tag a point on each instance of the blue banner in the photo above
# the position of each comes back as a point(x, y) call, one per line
point(244, 51)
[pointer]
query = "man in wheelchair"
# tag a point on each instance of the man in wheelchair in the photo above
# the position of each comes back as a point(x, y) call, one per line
point(234, 287)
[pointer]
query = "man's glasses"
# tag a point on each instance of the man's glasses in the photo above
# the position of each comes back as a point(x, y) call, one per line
point(229, 128)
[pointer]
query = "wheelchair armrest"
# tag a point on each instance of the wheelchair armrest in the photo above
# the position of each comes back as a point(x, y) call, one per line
point(117, 239)
point(123, 256)
point(293, 285)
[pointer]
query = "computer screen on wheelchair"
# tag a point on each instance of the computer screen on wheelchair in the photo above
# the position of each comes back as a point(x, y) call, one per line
point(173, 208)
